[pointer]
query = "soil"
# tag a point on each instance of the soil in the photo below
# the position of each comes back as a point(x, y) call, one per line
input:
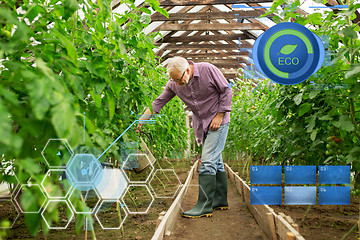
point(323, 222)
point(235, 223)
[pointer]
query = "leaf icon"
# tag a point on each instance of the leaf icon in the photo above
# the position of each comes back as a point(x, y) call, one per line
point(287, 49)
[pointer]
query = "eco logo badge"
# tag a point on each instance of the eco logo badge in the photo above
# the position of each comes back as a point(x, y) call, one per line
point(288, 53)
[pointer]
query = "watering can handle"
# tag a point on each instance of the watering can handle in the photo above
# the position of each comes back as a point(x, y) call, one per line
point(150, 139)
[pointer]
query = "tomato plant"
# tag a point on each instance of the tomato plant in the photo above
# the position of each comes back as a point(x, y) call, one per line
point(281, 124)
point(61, 60)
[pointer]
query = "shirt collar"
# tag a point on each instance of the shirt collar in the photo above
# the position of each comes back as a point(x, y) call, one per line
point(196, 72)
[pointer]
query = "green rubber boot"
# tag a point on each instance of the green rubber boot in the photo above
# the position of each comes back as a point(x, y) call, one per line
point(220, 199)
point(203, 207)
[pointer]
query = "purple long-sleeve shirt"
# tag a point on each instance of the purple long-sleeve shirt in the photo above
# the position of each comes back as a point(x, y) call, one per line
point(206, 94)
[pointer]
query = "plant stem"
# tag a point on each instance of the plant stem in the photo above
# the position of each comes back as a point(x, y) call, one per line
point(120, 218)
point(74, 27)
point(132, 199)
point(157, 162)
point(305, 215)
point(160, 181)
point(346, 235)
point(352, 114)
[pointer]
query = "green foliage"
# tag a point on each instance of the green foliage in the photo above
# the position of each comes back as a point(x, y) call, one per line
point(280, 124)
point(62, 59)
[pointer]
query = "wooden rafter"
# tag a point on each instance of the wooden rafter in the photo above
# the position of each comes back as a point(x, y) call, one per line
point(208, 27)
point(201, 38)
point(209, 43)
point(206, 2)
point(204, 15)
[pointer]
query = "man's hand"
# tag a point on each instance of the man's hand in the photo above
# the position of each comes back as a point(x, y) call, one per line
point(146, 116)
point(216, 122)
point(138, 128)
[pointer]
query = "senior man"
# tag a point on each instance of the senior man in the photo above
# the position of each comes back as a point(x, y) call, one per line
point(204, 89)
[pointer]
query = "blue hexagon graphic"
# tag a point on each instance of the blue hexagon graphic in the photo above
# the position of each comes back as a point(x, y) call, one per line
point(113, 184)
point(57, 152)
point(84, 172)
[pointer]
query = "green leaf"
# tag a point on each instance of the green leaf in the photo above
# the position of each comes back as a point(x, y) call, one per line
point(304, 108)
point(70, 6)
point(162, 11)
point(40, 64)
point(38, 89)
point(62, 115)
point(279, 103)
point(354, 150)
point(349, 32)
point(9, 16)
point(313, 94)
point(97, 98)
point(9, 96)
point(298, 98)
point(33, 222)
point(276, 19)
point(145, 10)
point(29, 201)
point(105, 7)
point(33, 11)
point(5, 125)
point(287, 49)
point(354, 70)
point(297, 152)
point(315, 18)
point(89, 125)
point(122, 47)
point(345, 123)
point(311, 123)
point(325, 117)
point(349, 159)
point(313, 135)
point(328, 159)
point(70, 49)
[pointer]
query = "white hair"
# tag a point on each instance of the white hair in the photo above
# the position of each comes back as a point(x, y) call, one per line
point(178, 62)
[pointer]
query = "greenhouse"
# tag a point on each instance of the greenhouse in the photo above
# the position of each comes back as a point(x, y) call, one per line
point(174, 119)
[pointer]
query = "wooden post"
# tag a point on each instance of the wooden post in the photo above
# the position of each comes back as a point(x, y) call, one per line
point(158, 221)
point(296, 226)
point(290, 236)
point(271, 221)
point(289, 219)
point(242, 192)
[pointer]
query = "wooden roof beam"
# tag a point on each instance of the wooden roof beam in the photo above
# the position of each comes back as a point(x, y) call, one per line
point(200, 38)
point(185, 46)
point(210, 27)
point(206, 55)
point(205, 15)
point(206, 2)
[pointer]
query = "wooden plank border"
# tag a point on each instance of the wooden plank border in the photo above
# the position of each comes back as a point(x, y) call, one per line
point(274, 225)
point(168, 222)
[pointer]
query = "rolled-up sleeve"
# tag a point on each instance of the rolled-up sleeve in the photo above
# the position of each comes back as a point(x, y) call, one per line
point(222, 86)
point(164, 98)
